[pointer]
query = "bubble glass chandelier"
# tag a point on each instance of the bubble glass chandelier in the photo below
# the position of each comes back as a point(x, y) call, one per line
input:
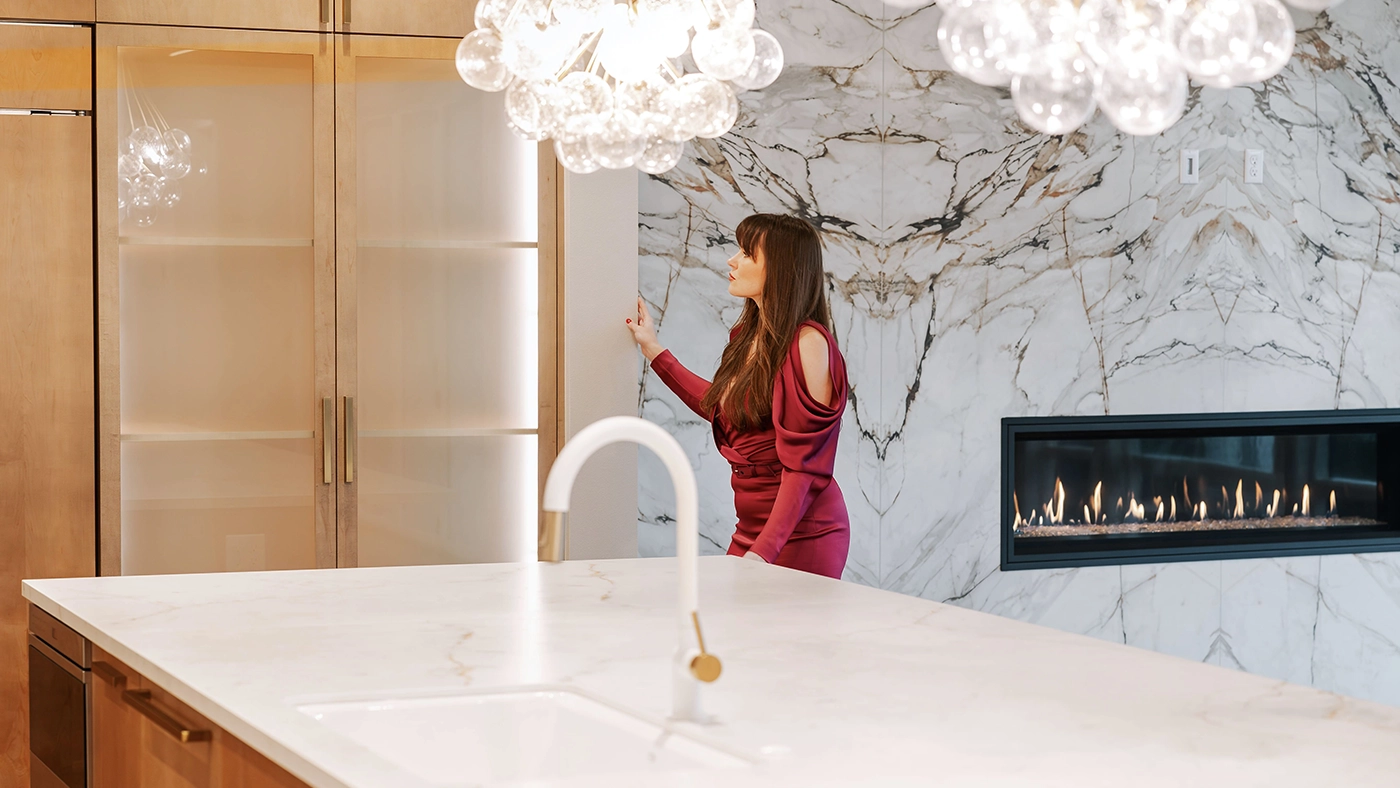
point(609, 81)
point(1131, 59)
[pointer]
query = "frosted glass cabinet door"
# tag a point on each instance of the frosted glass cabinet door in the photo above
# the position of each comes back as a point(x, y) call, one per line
point(439, 319)
point(216, 299)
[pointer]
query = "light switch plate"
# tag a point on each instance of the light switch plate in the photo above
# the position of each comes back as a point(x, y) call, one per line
point(1190, 165)
point(1253, 166)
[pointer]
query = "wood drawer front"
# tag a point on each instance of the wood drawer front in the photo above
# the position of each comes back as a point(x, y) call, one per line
point(45, 67)
point(250, 14)
point(49, 10)
point(132, 746)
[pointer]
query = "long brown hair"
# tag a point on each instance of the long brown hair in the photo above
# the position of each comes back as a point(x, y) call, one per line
point(794, 291)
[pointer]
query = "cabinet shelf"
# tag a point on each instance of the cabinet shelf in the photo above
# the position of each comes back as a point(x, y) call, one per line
point(449, 432)
point(174, 240)
point(268, 435)
point(389, 243)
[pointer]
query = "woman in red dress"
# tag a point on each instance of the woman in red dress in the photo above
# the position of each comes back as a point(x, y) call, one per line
point(776, 401)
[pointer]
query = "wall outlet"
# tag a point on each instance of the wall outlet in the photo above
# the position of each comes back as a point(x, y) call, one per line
point(1190, 165)
point(1254, 166)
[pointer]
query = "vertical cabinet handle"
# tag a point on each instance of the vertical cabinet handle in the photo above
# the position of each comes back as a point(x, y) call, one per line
point(345, 12)
point(327, 440)
point(352, 437)
point(325, 12)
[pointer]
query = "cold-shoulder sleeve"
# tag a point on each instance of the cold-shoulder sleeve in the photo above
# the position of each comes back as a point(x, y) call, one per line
point(687, 385)
point(806, 440)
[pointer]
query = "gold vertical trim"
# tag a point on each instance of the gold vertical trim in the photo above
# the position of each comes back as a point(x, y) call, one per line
point(351, 438)
point(327, 440)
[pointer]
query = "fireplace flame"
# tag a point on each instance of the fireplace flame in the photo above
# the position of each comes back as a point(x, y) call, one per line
point(1307, 505)
point(1098, 503)
point(1332, 504)
point(1202, 515)
point(1258, 497)
point(1173, 507)
point(1239, 500)
point(1162, 509)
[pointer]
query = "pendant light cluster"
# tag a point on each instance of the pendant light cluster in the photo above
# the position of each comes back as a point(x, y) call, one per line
point(607, 80)
point(1129, 58)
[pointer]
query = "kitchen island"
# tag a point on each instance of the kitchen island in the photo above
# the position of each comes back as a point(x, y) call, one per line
point(824, 682)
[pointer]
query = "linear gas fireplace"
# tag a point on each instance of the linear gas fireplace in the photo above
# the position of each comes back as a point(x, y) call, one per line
point(1083, 491)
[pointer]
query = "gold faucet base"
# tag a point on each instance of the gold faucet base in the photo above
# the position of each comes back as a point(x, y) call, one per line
point(551, 547)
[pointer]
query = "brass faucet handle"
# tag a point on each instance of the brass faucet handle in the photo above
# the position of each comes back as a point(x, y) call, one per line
point(706, 667)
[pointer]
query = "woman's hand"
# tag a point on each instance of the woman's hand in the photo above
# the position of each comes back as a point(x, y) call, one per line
point(644, 332)
point(755, 556)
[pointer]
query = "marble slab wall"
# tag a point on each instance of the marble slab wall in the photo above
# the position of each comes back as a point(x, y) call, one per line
point(978, 270)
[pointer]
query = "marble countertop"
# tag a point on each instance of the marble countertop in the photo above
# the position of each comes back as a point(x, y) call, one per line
point(825, 683)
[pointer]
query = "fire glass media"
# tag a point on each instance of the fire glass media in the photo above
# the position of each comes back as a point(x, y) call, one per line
point(1119, 489)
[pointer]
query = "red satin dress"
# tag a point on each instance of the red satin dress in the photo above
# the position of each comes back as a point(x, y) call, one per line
point(790, 509)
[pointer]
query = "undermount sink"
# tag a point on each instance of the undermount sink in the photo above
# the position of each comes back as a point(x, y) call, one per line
point(517, 735)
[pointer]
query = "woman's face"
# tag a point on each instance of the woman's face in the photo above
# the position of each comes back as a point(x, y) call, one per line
point(746, 275)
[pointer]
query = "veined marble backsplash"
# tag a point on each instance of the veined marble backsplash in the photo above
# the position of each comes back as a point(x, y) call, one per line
point(978, 270)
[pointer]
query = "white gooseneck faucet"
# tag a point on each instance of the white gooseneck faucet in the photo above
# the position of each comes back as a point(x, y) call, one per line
point(692, 665)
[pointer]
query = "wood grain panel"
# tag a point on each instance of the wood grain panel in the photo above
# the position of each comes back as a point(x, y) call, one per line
point(49, 10)
point(307, 15)
point(447, 18)
point(47, 452)
point(44, 67)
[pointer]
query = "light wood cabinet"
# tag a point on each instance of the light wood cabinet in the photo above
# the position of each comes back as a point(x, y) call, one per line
point(216, 299)
point(337, 346)
point(305, 15)
point(47, 500)
point(143, 737)
point(439, 272)
point(444, 18)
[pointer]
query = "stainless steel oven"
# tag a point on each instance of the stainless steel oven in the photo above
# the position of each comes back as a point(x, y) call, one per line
point(60, 705)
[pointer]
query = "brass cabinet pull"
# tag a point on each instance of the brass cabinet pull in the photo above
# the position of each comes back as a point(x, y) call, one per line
point(109, 674)
point(141, 701)
point(345, 12)
point(325, 11)
point(327, 440)
point(352, 437)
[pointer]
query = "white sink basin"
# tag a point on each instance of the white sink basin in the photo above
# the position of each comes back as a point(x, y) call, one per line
point(530, 733)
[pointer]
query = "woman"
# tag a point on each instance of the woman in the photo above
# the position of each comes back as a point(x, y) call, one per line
point(776, 402)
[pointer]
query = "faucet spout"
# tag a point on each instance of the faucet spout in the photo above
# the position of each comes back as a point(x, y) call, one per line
point(557, 490)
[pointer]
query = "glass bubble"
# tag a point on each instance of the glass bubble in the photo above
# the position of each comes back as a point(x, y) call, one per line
point(528, 136)
point(170, 194)
point(527, 105)
point(123, 193)
point(716, 102)
point(731, 13)
point(145, 190)
point(575, 157)
point(1146, 94)
point(644, 99)
point(1214, 39)
point(767, 63)
point(176, 140)
point(691, 13)
point(1048, 41)
point(176, 164)
point(973, 41)
point(1108, 25)
point(684, 107)
point(146, 142)
point(144, 217)
point(723, 52)
point(627, 49)
point(660, 156)
point(129, 165)
point(479, 61)
point(619, 140)
point(534, 52)
point(1054, 103)
point(1273, 43)
point(494, 14)
point(582, 16)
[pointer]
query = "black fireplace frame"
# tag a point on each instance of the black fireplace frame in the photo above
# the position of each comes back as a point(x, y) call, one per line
point(1218, 546)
